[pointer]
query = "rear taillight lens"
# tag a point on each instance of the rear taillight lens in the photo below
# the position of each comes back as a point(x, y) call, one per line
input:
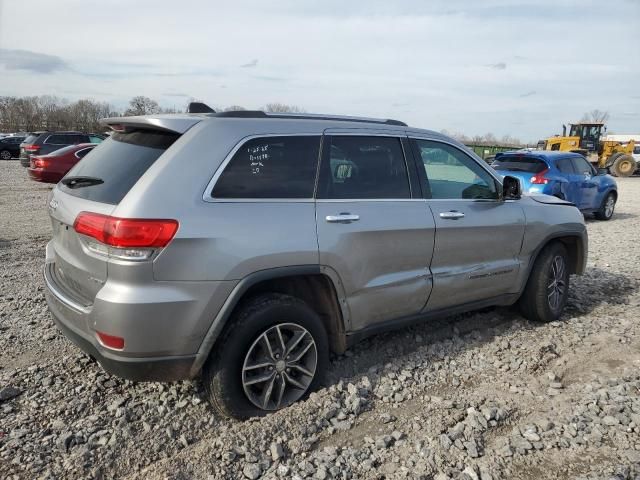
point(39, 163)
point(126, 232)
point(539, 178)
point(31, 148)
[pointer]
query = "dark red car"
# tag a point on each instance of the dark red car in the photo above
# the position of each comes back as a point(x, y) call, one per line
point(52, 167)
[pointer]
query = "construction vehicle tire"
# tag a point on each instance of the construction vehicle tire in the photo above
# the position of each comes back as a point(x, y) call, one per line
point(623, 165)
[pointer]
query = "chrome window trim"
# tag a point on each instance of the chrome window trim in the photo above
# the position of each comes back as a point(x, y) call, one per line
point(207, 195)
point(75, 154)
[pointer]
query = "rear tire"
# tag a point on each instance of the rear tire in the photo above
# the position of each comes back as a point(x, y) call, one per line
point(607, 207)
point(5, 155)
point(623, 165)
point(254, 368)
point(547, 289)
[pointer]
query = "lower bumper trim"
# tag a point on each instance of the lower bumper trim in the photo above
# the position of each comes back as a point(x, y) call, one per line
point(162, 369)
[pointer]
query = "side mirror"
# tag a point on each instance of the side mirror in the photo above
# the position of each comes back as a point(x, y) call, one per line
point(511, 188)
point(604, 171)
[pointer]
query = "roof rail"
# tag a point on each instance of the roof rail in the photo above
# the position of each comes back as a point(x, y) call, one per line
point(306, 116)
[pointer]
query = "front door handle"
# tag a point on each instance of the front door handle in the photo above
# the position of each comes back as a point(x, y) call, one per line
point(342, 218)
point(452, 215)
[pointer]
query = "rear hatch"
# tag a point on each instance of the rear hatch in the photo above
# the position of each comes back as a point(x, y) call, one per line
point(77, 264)
point(27, 147)
point(524, 167)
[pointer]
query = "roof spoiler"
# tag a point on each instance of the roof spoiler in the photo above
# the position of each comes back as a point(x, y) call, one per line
point(176, 123)
point(199, 107)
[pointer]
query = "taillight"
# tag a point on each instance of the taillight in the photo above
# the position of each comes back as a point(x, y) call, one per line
point(31, 148)
point(111, 341)
point(126, 232)
point(39, 163)
point(539, 178)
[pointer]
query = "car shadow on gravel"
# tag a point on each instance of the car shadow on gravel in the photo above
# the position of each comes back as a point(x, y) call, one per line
point(596, 287)
point(616, 216)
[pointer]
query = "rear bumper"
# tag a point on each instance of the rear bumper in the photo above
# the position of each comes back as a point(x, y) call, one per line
point(67, 315)
point(40, 175)
point(164, 369)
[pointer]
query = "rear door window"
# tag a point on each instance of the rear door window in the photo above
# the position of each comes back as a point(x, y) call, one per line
point(582, 166)
point(271, 167)
point(565, 165)
point(119, 162)
point(364, 167)
point(519, 164)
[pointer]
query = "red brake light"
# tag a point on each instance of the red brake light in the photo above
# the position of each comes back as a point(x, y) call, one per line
point(31, 148)
point(126, 232)
point(539, 178)
point(111, 341)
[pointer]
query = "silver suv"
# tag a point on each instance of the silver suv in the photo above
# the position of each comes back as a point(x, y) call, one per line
point(246, 246)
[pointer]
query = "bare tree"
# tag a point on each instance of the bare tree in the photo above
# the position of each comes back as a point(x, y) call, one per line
point(282, 108)
point(596, 116)
point(142, 105)
point(233, 108)
point(51, 113)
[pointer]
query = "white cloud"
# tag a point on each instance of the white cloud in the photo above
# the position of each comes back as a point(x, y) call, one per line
point(422, 62)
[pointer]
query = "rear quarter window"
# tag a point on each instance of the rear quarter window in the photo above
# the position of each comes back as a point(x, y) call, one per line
point(119, 162)
point(271, 167)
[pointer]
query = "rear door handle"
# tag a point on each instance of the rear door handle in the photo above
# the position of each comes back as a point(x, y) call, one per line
point(452, 215)
point(342, 218)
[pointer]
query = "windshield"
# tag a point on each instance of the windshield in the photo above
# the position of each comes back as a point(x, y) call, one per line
point(519, 164)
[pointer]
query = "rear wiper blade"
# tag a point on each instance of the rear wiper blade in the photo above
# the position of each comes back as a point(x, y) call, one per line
point(80, 181)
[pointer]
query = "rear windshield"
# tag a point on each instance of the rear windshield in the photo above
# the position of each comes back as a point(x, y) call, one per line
point(119, 162)
point(520, 164)
point(30, 138)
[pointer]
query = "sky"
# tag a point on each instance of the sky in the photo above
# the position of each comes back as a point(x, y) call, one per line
point(502, 66)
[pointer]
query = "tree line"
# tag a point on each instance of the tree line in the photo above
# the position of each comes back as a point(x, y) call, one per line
point(48, 112)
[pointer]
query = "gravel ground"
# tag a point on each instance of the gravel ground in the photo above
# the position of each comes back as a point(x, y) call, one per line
point(479, 396)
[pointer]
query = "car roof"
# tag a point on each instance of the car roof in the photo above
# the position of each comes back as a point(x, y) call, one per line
point(545, 155)
point(255, 121)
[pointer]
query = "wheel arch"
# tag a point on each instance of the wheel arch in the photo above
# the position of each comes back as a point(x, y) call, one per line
point(316, 286)
point(576, 245)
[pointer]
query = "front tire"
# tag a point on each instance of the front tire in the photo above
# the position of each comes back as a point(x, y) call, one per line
point(273, 352)
point(607, 208)
point(5, 155)
point(547, 289)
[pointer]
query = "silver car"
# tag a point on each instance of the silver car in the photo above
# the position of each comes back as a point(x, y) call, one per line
point(246, 246)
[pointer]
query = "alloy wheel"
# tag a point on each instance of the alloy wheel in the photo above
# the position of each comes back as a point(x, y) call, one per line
point(557, 285)
point(279, 366)
point(609, 206)
point(5, 155)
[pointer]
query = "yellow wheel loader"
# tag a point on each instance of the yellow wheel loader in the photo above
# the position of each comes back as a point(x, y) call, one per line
point(585, 138)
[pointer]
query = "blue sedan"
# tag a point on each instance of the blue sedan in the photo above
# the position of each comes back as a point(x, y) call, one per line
point(565, 175)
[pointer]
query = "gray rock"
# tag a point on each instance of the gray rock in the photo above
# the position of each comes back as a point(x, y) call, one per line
point(252, 471)
point(610, 421)
point(277, 452)
point(9, 392)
